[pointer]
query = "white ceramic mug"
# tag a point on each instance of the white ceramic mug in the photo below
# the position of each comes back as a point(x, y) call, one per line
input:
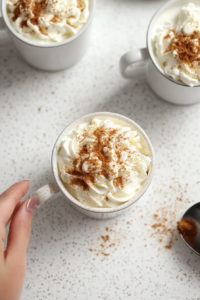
point(142, 62)
point(49, 57)
point(55, 188)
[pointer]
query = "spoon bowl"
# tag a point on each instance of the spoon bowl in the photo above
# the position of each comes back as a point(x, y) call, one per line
point(193, 213)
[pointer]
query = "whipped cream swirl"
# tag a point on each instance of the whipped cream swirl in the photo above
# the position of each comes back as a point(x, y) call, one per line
point(178, 46)
point(103, 164)
point(47, 21)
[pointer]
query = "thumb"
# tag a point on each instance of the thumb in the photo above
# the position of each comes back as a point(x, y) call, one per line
point(20, 229)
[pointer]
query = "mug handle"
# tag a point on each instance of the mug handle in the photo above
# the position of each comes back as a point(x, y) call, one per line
point(47, 193)
point(137, 59)
point(4, 38)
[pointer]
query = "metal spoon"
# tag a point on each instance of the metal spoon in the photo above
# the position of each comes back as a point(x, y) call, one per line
point(193, 213)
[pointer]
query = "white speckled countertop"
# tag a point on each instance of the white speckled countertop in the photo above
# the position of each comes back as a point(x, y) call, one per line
point(34, 108)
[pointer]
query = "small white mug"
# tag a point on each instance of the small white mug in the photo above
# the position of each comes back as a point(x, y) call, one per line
point(48, 57)
point(56, 188)
point(142, 62)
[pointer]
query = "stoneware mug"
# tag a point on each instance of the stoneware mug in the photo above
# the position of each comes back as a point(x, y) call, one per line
point(51, 57)
point(143, 63)
point(56, 188)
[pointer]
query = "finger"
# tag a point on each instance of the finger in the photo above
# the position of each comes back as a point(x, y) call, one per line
point(3, 236)
point(9, 199)
point(19, 233)
point(16, 208)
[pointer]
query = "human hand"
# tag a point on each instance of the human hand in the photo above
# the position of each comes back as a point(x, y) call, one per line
point(13, 259)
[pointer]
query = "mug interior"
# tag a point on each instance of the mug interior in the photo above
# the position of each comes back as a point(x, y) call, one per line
point(151, 30)
point(88, 118)
point(56, 44)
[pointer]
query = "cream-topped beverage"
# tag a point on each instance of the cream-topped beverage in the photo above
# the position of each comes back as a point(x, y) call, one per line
point(176, 40)
point(103, 162)
point(48, 21)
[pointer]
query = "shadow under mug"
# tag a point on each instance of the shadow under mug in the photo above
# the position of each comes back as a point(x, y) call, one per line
point(142, 63)
point(48, 57)
point(56, 188)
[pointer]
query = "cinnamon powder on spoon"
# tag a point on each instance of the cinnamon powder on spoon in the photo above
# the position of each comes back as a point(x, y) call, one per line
point(188, 229)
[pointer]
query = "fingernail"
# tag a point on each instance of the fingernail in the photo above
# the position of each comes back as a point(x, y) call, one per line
point(31, 205)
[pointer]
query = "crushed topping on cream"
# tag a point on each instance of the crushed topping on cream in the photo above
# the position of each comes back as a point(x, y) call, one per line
point(104, 163)
point(48, 21)
point(178, 46)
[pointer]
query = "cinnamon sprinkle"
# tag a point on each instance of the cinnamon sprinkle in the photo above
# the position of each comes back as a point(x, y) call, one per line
point(105, 254)
point(54, 19)
point(80, 183)
point(34, 10)
point(105, 238)
point(42, 31)
point(118, 182)
point(34, 21)
point(38, 8)
point(80, 3)
point(100, 160)
point(187, 51)
point(17, 13)
point(23, 24)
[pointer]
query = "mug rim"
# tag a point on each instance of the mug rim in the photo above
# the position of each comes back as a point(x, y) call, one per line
point(77, 202)
point(149, 48)
point(52, 45)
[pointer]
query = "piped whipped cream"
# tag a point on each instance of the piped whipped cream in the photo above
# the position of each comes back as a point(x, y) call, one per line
point(47, 21)
point(177, 46)
point(103, 163)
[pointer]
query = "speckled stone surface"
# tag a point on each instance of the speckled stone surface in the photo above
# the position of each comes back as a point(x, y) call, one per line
point(67, 255)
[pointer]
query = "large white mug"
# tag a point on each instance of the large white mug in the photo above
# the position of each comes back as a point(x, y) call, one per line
point(142, 62)
point(56, 188)
point(49, 57)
